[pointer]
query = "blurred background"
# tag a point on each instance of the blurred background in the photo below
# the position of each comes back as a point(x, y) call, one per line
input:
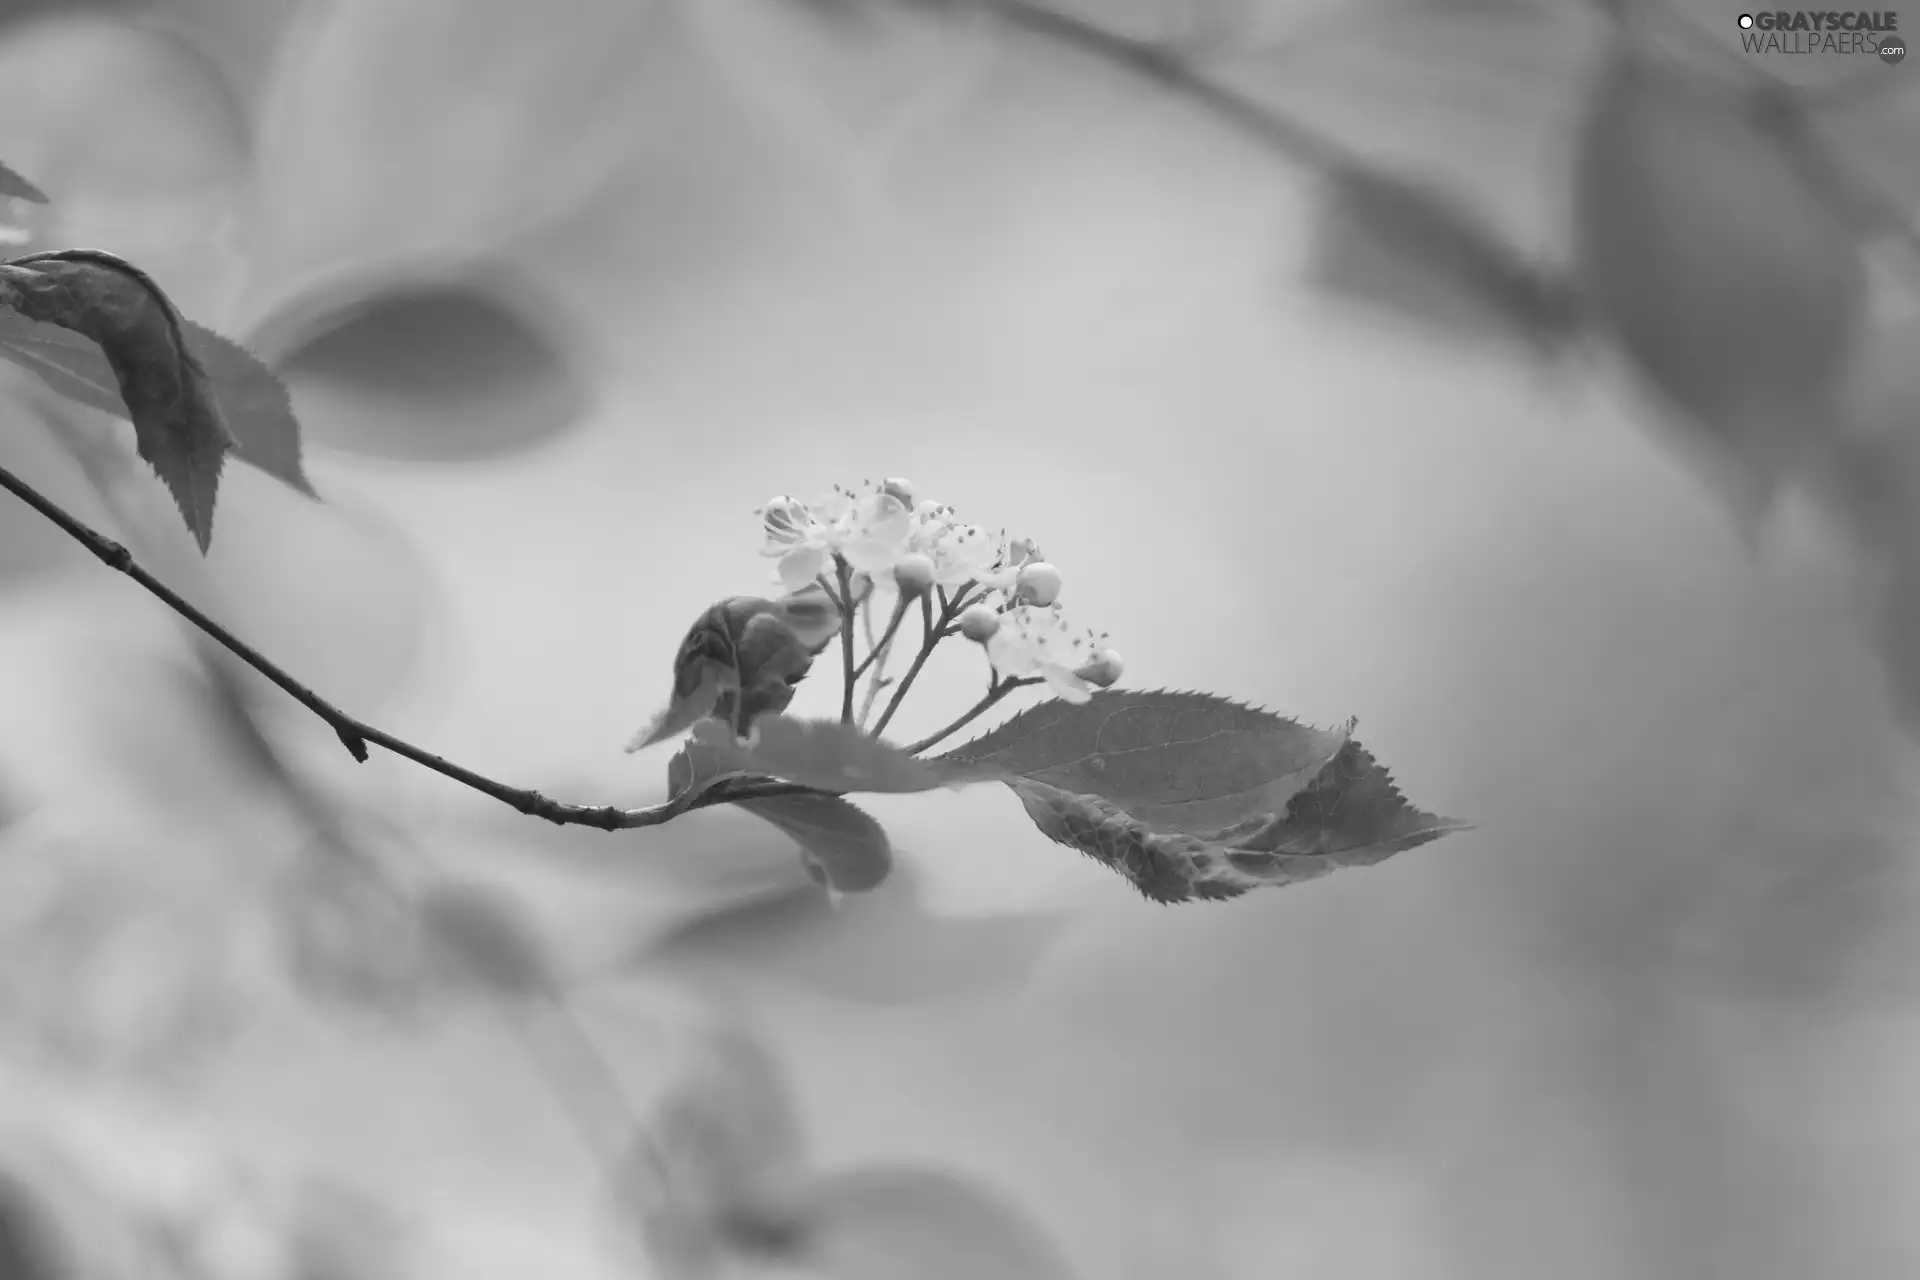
point(1532, 381)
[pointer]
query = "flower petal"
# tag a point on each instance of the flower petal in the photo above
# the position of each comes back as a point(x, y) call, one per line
point(1065, 683)
point(799, 568)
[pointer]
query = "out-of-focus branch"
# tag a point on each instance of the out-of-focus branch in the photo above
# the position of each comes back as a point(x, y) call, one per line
point(356, 734)
point(1177, 76)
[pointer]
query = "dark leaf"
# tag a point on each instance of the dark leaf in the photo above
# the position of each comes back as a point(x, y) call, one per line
point(17, 187)
point(1411, 250)
point(887, 1222)
point(30, 1246)
point(253, 402)
point(178, 428)
point(840, 843)
point(742, 659)
point(1720, 262)
point(830, 756)
point(487, 936)
point(429, 372)
point(1191, 796)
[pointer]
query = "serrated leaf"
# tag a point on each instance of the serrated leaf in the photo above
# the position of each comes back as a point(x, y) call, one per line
point(840, 841)
point(14, 186)
point(1192, 796)
point(253, 402)
point(1723, 266)
point(487, 936)
point(1405, 248)
point(886, 1222)
point(829, 756)
point(177, 424)
point(1187, 762)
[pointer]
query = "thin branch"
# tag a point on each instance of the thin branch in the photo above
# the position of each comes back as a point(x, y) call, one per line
point(356, 734)
point(995, 692)
point(878, 647)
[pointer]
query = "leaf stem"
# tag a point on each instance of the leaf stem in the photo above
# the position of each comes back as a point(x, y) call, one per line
point(878, 647)
point(931, 634)
point(355, 734)
point(843, 572)
point(995, 691)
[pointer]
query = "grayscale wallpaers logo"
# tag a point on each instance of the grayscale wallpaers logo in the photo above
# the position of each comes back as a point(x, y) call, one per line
point(1799, 31)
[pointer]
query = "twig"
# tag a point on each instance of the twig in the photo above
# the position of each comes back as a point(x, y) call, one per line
point(356, 734)
point(995, 692)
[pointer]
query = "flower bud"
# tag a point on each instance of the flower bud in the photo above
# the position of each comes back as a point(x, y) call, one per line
point(978, 623)
point(913, 574)
point(1038, 583)
point(899, 490)
point(1103, 671)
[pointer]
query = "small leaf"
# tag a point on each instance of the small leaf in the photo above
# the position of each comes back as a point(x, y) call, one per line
point(1725, 271)
point(177, 425)
point(1411, 250)
point(888, 1222)
point(253, 402)
point(17, 187)
point(1191, 796)
point(486, 935)
point(830, 756)
point(837, 838)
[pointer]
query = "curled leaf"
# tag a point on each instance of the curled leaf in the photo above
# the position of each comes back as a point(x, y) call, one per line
point(1191, 796)
point(12, 185)
point(1726, 273)
point(741, 659)
point(178, 428)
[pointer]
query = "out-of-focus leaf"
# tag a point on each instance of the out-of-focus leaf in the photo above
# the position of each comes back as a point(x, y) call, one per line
point(350, 941)
point(800, 939)
point(253, 402)
point(29, 1248)
point(1191, 796)
point(890, 1222)
point(430, 371)
point(1406, 248)
point(722, 1138)
point(829, 756)
point(177, 423)
point(487, 936)
point(843, 848)
point(16, 187)
point(1728, 278)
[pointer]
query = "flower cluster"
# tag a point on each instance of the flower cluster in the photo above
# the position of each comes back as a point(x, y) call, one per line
point(1002, 593)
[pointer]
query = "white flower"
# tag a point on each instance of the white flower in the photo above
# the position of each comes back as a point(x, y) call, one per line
point(1035, 641)
point(868, 530)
